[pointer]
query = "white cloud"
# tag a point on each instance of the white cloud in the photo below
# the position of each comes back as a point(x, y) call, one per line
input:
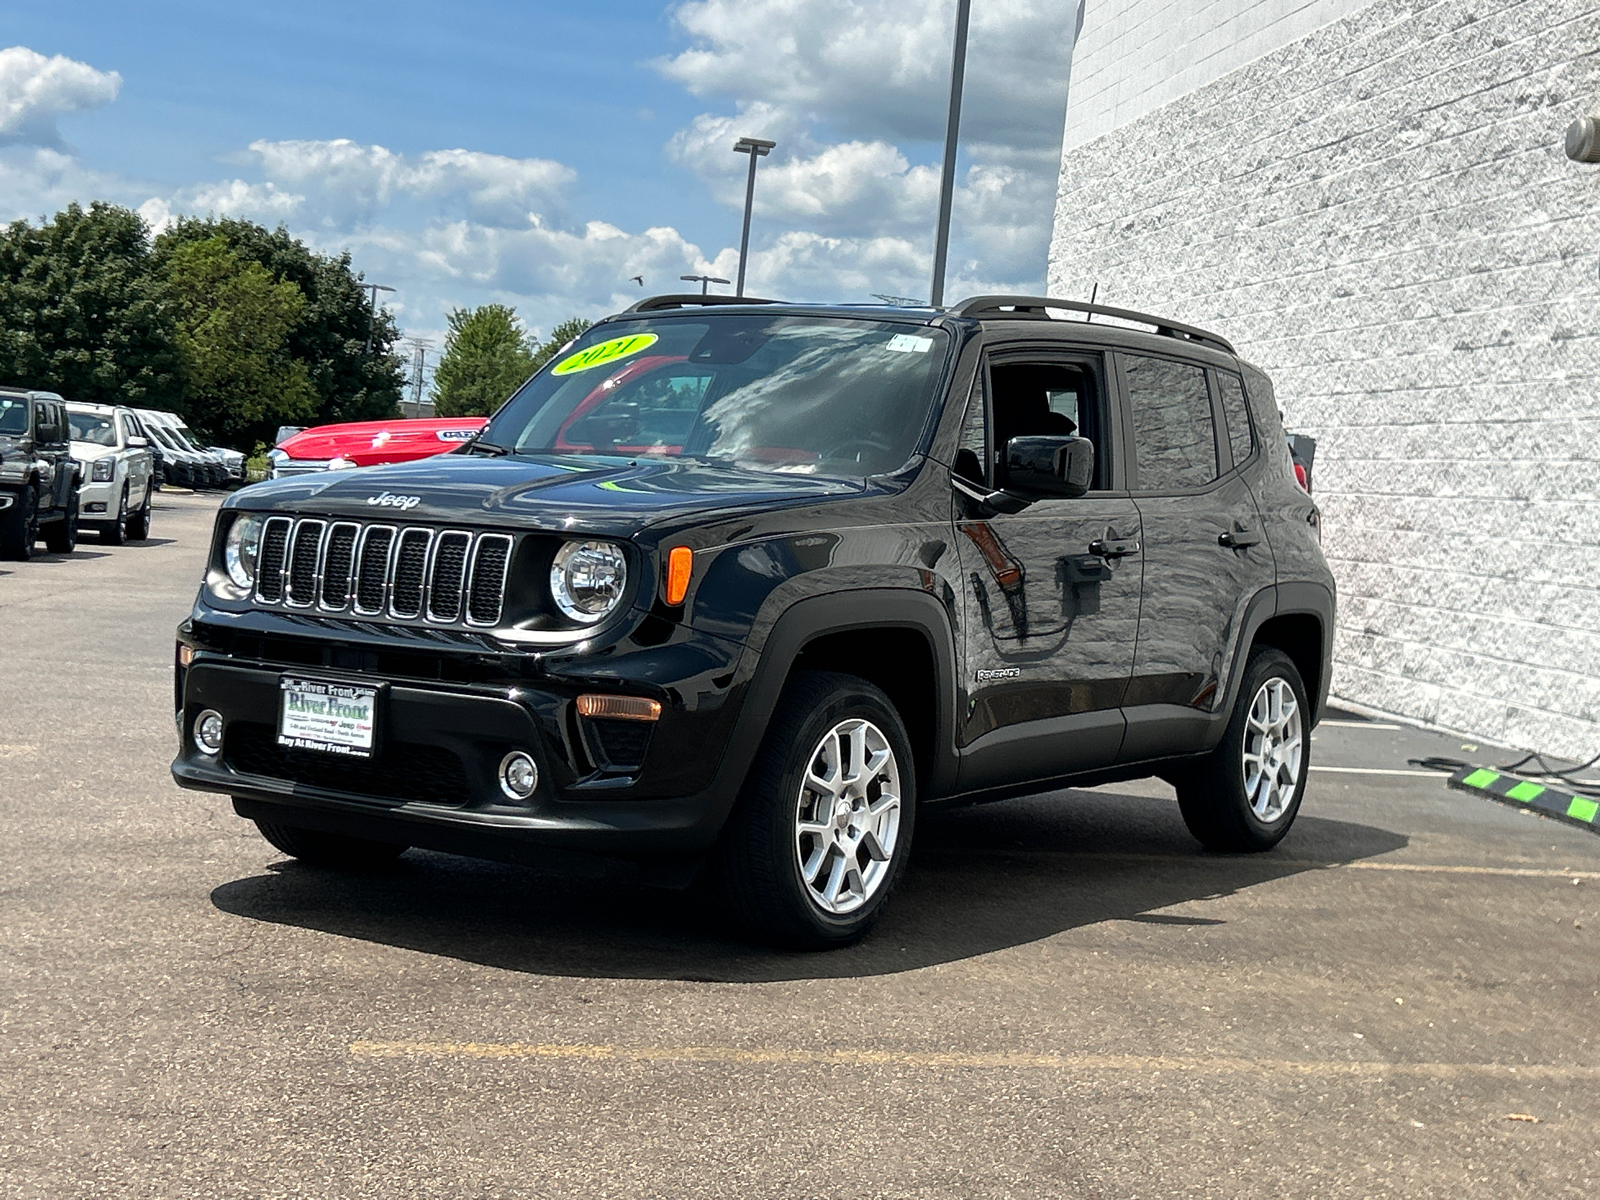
point(35, 90)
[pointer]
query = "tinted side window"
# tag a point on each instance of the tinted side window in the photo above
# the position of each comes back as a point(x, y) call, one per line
point(1174, 438)
point(972, 455)
point(1237, 413)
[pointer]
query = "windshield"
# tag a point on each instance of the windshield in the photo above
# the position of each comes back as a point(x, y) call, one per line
point(86, 427)
point(807, 395)
point(13, 415)
point(163, 435)
point(184, 432)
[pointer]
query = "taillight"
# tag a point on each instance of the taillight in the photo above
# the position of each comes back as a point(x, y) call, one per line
point(1300, 478)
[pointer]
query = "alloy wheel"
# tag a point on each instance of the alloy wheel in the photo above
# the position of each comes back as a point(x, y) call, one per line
point(1273, 746)
point(847, 817)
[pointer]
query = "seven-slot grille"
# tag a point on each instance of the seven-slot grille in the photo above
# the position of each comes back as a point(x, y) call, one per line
point(406, 572)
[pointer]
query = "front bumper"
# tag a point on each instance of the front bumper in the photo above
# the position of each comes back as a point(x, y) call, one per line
point(107, 495)
point(433, 781)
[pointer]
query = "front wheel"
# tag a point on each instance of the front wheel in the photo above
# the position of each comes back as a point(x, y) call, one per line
point(139, 522)
point(823, 826)
point(1245, 794)
point(19, 525)
point(329, 849)
point(62, 535)
point(113, 534)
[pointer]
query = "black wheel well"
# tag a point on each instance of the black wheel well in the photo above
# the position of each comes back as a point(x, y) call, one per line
point(899, 660)
point(1299, 635)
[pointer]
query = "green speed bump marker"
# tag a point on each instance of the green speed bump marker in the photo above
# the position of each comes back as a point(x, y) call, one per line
point(1524, 793)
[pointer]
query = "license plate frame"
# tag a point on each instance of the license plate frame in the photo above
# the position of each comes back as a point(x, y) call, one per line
point(350, 730)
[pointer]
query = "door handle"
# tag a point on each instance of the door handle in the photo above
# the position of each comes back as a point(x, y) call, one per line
point(1113, 549)
point(1237, 539)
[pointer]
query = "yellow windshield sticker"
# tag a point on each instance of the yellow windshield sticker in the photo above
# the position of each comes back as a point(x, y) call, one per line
point(603, 354)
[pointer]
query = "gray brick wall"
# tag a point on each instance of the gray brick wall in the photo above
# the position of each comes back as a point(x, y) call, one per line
point(1380, 214)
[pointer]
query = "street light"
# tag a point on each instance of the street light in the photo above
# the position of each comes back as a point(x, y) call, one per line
point(372, 310)
point(755, 148)
point(952, 130)
point(702, 280)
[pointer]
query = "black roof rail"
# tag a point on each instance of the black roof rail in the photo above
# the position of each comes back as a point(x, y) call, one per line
point(692, 300)
point(1035, 306)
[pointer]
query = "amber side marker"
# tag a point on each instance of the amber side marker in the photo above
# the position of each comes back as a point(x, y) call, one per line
point(680, 563)
point(619, 708)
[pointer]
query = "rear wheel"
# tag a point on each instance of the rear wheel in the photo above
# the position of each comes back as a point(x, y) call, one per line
point(61, 536)
point(113, 534)
point(19, 525)
point(1245, 794)
point(139, 522)
point(823, 828)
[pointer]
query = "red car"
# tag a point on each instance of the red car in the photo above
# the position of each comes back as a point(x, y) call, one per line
point(369, 443)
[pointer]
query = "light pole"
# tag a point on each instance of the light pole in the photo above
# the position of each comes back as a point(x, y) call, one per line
point(372, 310)
point(755, 148)
point(703, 280)
point(952, 131)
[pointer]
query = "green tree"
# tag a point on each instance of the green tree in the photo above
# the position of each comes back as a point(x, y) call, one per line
point(232, 327)
point(487, 355)
point(559, 337)
point(81, 311)
point(330, 338)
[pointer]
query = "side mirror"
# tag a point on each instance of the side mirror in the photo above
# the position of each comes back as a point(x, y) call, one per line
point(138, 443)
point(1049, 466)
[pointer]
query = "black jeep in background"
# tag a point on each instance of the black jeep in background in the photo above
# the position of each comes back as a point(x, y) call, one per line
point(739, 588)
point(38, 476)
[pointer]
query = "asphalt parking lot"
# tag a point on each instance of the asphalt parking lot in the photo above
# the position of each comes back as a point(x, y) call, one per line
point(1067, 999)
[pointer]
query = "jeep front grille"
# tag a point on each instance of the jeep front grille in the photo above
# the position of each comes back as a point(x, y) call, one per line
point(407, 573)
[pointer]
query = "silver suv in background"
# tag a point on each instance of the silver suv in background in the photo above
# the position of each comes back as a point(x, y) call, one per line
point(119, 471)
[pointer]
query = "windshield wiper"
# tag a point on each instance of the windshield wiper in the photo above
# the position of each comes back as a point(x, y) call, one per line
point(486, 447)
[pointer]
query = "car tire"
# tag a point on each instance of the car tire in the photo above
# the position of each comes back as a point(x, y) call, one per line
point(61, 536)
point(1245, 794)
point(822, 830)
point(139, 522)
point(116, 532)
point(336, 850)
point(19, 526)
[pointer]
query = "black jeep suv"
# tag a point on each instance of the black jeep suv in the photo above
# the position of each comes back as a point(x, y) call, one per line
point(743, 586)
point(39, 478)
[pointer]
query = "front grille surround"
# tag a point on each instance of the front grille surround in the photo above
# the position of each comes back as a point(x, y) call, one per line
point(408, 573)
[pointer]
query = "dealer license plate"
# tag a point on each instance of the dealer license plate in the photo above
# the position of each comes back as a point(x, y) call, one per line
point(326, 715)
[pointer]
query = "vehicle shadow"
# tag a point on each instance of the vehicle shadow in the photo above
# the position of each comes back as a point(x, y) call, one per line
point(79, 555)
point(981, 879)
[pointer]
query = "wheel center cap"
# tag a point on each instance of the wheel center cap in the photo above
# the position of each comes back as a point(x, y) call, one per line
point(841, 814)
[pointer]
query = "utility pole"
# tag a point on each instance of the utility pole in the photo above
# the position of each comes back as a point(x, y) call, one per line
point(372, 310)
point(755, 148)
point(952, 137)
point(703, 280)
point(419, 362)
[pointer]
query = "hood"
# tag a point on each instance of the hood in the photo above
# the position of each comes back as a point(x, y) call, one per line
point(89, 451)
point(617, 496)
point(367, 443)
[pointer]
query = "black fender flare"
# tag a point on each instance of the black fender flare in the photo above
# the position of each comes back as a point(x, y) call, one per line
point(1294, 598)
point(840, 612)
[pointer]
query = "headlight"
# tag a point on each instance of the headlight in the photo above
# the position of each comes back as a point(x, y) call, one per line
point(587, 579)
point(240, 549)
point(102, 470)
point(341, 463)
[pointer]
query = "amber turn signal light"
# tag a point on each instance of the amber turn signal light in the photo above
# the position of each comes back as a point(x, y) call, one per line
point(619, 708)
point(680, 562)
point(185, 655)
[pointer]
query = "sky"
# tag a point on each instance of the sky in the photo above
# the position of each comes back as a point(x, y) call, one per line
point(541, 154)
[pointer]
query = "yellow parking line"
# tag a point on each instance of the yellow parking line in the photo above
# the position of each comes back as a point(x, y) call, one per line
point(772, 1056)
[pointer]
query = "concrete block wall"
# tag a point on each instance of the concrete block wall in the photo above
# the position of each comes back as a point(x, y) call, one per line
point(1381, 215)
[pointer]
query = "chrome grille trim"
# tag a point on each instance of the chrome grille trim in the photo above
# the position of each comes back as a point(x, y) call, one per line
point(274, 560)
point(452, 577)
point(487, 546)
point(439, 585)
point(400, 563)
point(301, 578)
point(330, 571)
point(386, 533)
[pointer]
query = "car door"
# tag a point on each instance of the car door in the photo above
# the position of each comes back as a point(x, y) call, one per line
point(138, 460)
point(1205, 557)
point(1051, 593)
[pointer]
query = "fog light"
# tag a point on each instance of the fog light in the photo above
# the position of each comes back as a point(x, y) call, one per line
point(95, 508)
point(208, 732)
point(519, 775)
